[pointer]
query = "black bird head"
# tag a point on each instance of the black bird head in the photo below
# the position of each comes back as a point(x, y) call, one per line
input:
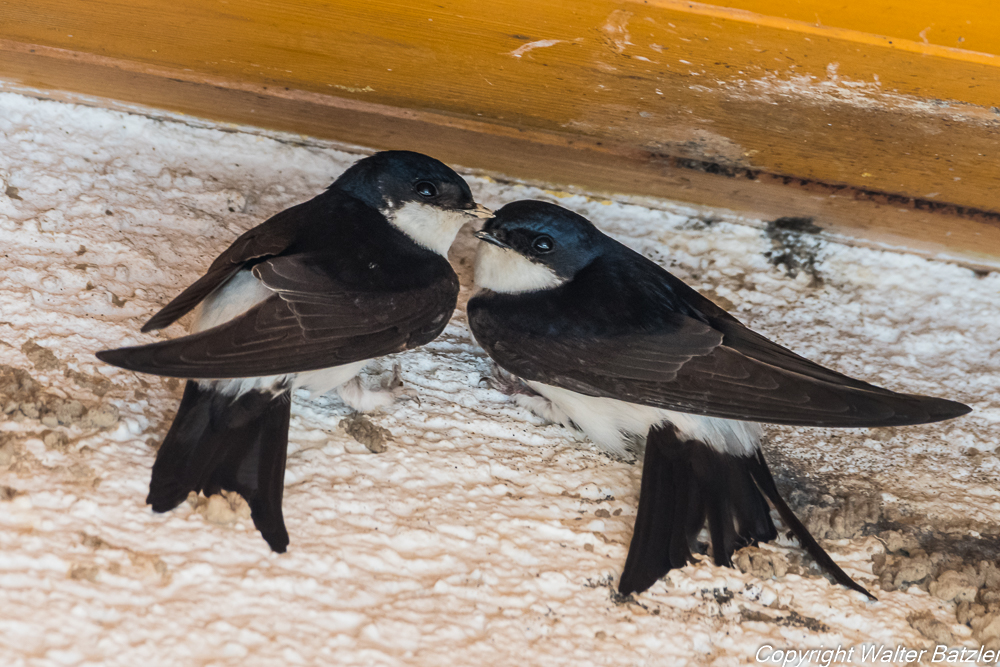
point(555, 242)
point(391, 179)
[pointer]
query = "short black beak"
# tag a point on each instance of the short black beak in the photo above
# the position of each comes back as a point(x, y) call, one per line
point(489, 238)
point(480, 211)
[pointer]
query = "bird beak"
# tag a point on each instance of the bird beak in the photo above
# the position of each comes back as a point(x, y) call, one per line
point(489, 238)
point(480, 212)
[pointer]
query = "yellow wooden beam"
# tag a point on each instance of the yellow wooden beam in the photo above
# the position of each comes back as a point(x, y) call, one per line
point(757, 90)
point(967, 29)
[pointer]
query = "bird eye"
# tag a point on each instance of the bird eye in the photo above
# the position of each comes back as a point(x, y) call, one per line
point(426, 189)
point(543, 244)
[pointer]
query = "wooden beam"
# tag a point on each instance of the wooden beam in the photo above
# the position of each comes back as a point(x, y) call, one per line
point(764, 113)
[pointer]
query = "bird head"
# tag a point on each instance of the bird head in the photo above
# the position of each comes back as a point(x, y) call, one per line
point(533, 245)
point(421, 196)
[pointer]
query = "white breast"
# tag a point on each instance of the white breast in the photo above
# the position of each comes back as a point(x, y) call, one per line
point(614, 424)
point(510, 272)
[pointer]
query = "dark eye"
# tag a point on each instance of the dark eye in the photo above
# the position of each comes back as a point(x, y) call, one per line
point(543, 244)
point(426, 189)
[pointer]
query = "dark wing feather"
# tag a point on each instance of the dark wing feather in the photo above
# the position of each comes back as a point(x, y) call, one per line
point(267, 239)
point(622, 361)
point(752, 345)
point(723, 382)
point(312, 322)
point(655, 343)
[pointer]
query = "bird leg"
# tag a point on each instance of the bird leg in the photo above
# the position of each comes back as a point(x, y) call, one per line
point(361, 398)
point(394, 384)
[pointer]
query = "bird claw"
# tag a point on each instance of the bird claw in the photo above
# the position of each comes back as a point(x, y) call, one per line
point(395, 386)
point(395, 380)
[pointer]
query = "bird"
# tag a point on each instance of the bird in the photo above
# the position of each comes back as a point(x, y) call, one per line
point(592, 335)
point(302, 300)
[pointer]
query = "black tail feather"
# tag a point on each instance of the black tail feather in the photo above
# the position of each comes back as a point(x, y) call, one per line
point(685, 483)
point(659, 538)
point(762, 475)
point(219, 442)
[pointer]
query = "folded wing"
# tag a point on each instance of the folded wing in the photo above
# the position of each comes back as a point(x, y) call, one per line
point(716, 368)
point(313, 321)
point(265, 240)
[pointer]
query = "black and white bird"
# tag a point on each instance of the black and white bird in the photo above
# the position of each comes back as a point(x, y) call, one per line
point(303, 300)
point(611, 344)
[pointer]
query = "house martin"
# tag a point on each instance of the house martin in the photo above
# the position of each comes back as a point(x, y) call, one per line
point(609, 343)
point(303, 300)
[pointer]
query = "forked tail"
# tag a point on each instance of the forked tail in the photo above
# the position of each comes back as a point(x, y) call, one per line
point(219, 442)
point(685, 483)
point(762, 475)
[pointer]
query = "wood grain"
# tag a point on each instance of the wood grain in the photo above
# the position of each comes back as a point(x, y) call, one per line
point(795, 116)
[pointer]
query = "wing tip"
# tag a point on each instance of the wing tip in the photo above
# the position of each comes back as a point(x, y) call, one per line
point(947, 409)
point(931, 409)
point(129, 358)
point(113, 357)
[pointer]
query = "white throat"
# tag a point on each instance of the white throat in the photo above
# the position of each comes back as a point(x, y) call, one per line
point(432, 227)
point(510, 272)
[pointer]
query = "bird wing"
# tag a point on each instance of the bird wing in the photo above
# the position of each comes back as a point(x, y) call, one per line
point(716, 368)
point(313, 321)
point(267, 239)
